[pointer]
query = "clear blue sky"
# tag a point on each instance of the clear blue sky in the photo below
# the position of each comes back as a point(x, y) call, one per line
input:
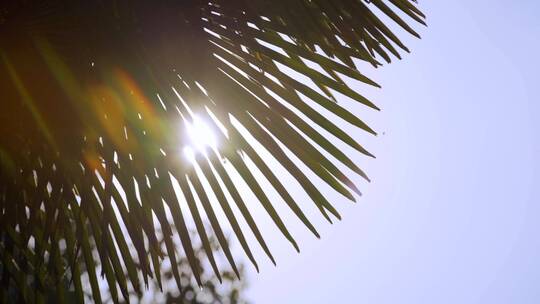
point(453, 212)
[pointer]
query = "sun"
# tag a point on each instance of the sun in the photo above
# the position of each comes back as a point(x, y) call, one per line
point(201, 137)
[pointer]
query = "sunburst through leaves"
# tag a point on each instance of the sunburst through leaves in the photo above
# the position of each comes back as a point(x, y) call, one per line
point(117, 117)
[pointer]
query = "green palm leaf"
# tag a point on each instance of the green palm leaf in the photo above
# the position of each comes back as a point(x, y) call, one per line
point(96, 99)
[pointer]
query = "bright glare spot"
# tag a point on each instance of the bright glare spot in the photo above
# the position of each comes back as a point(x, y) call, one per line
point(201, 137)
point(190, 155)
point(201, 134)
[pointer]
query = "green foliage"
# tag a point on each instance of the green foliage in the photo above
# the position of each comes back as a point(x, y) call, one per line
point(95, 99)
point(224, 288)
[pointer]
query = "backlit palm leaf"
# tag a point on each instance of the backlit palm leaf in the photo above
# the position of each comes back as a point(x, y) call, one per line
point(96, 99)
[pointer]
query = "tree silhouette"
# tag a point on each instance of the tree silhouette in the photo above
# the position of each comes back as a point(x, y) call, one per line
point(96, 100)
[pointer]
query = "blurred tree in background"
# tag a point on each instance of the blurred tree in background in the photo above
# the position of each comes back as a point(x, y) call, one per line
point(225, 288)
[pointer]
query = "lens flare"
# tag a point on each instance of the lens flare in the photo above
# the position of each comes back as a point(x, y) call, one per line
point(201, 137)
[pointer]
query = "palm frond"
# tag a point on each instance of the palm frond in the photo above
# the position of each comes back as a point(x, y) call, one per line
point(96, 99)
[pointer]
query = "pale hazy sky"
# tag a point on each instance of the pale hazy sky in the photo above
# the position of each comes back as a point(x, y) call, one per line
point(452, 214)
